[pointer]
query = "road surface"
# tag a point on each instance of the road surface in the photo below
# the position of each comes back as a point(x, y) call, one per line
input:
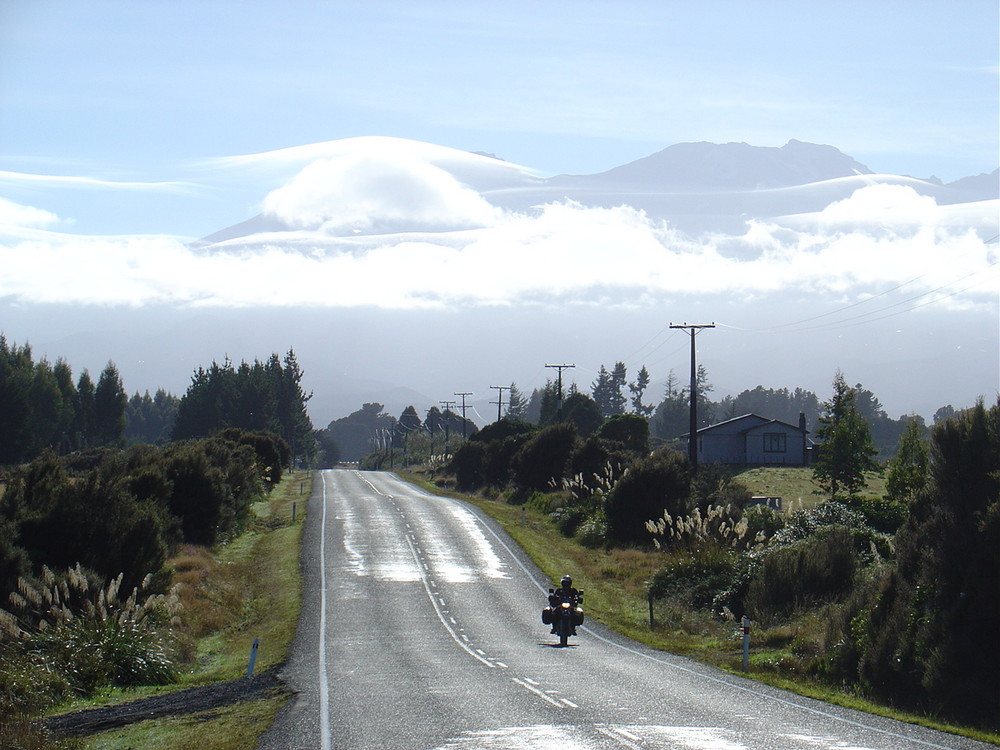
point(421, 630)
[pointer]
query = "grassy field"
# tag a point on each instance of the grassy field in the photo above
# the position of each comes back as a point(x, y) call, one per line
point(796, 487)
point(250, 588)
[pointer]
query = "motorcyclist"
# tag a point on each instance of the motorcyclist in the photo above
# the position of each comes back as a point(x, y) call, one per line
point(565, 592)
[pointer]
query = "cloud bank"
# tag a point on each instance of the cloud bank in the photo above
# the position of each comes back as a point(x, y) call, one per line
point(561, 252)
point(394, 224)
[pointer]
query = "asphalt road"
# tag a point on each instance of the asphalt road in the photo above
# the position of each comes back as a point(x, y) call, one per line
point(421, 630)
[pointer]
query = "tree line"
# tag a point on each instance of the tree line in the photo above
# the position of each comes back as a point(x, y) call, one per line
point(612, 393)
point(73, 493)
point(45, 408)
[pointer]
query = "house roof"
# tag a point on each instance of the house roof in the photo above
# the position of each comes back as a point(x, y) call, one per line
point(756, 419)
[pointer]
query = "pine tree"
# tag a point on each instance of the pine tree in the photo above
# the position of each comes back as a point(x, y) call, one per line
point(670, 418)
point(929, 640)
point(637, 389)
point(109, 407)
point(517, 407)
point(846, 451)
point(907, 472)
point(83, 416)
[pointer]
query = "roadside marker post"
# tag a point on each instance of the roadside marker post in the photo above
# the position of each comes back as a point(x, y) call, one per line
point(253, 656)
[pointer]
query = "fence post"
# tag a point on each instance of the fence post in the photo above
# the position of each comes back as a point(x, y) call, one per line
point(652, 621)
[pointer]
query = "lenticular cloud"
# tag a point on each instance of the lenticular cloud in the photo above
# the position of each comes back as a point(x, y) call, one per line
point(368, 193)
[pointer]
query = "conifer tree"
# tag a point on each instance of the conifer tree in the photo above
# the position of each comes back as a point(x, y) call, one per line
point(846, 451)
point(109, 407)
point(907, 471)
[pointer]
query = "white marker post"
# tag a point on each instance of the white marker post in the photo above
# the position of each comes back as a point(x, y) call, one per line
point(253, 656)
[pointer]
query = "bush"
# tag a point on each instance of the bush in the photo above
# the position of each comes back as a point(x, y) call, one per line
point(803, 574)
point(468, 465)
point(651, 485)
point(78, 628)
point(544, 460)
point(630, 430)
point(593, 531)
point(695, 576)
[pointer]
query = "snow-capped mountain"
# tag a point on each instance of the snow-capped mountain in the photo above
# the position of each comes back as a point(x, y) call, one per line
point(378, 186)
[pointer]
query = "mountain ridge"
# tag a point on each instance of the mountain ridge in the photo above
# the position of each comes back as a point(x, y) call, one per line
point(696, 186)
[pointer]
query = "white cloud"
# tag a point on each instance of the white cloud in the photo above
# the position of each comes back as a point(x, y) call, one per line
point(14, 214)
point(90, 183)
point(562, 251)
point(369, 192)
point(883, 204)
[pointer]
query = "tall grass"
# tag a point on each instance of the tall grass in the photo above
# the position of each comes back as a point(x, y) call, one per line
point(68, 634)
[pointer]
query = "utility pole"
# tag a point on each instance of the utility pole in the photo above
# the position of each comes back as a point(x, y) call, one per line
point(559, 369)
point(464, 421)
point(693, 329)
point(499, 401)
point(447, 423)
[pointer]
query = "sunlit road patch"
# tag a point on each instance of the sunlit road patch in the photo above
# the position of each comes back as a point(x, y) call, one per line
point(597, 737)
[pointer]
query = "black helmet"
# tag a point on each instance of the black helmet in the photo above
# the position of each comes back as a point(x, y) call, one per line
point(567, 581)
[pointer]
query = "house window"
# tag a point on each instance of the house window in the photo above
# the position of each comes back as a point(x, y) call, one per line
point(774, 442)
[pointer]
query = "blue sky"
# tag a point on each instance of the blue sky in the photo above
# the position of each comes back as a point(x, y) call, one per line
point(140, 90)
point(116, 119)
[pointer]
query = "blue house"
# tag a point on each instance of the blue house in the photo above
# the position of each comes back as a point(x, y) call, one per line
point(752, 440)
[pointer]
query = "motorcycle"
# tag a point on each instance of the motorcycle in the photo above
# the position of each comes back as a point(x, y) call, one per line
point(564, 615)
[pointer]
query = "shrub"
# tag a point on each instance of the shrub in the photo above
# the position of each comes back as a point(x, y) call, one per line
point(468, 465)
point(543, 461)
point(593, 531)
point(630, 430)
point(695, 576)
point(651, 485)
point(802, 574)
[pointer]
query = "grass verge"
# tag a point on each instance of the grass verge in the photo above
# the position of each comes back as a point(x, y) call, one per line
point(247, 589)
point(615, 584)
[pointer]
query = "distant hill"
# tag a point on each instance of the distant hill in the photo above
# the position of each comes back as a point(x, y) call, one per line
point(983, 187)
point(729, 166)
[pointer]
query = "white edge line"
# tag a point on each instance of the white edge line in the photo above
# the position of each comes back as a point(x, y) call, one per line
point(324, 679)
